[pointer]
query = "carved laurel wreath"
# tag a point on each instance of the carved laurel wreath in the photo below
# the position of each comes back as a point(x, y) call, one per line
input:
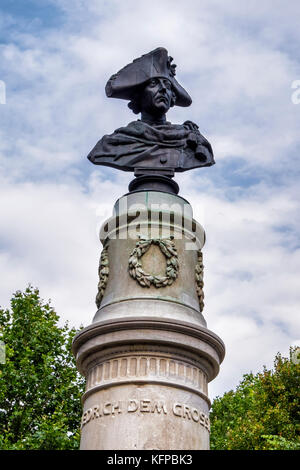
point(199, 279)
point(167, 247)
point(103, 272)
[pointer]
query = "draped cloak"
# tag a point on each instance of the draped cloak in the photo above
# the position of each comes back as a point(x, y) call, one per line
point(140, 145)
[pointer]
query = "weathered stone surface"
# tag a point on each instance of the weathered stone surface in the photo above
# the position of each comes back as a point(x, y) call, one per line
point(144, 417)
point(151, 216)
point(148, 355)
point(146, 384)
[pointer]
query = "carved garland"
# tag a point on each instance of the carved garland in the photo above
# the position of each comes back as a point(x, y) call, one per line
point(167, 247)
point(103, 272)
point(199, 279)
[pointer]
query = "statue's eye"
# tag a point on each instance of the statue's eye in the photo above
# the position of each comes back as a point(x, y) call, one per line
point(153, 82)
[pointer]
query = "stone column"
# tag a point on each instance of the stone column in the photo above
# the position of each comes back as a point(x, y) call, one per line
point(148, 355)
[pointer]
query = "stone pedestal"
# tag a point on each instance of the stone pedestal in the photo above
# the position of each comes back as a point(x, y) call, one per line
point(148, 355)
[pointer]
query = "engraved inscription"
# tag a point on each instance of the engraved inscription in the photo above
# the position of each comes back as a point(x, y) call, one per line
point(187, 412)
point(146, 406)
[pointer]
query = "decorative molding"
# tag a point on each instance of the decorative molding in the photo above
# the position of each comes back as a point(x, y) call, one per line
point(196, 342)
point(192, 335)
point(103, 272)
point(144, 368)
point(199, 279)
point(167, 247)
point(144, 365)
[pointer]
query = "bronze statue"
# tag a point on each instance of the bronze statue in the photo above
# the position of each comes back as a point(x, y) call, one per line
point(152, 147)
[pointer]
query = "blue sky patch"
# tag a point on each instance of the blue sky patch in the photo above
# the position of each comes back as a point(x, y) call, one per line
point(30, 16)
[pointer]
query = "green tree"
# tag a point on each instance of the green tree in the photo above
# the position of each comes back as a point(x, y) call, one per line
point(263, 412)
point(40, 388)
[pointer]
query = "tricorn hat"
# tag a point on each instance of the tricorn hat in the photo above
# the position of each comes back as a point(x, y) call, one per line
point(155, 64)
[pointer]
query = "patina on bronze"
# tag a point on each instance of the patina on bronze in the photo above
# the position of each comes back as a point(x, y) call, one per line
point(152, 147)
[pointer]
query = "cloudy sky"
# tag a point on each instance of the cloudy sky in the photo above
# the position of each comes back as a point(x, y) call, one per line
point(239, 62)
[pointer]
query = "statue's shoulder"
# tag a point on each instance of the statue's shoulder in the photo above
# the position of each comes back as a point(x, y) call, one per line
point(132, 127)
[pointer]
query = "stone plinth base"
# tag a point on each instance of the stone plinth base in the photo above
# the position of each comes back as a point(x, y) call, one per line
point(148, 355)
point(146, 384)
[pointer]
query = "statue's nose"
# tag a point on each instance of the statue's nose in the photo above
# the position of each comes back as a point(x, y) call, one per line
point(162, 86)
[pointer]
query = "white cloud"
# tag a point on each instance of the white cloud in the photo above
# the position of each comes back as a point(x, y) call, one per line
point(238, 62)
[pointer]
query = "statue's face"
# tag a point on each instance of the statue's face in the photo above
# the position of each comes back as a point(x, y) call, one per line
point(157, 96)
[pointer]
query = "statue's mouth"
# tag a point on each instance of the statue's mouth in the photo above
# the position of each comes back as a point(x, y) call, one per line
point(162, 99)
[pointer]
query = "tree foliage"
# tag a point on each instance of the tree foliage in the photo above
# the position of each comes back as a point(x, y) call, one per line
point(262, 413)
point(40, 388)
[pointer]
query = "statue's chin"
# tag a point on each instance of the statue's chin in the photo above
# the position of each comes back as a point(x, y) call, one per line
point(162, 107)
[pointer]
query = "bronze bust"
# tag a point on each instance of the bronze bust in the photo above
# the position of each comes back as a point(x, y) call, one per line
point(152, 147)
